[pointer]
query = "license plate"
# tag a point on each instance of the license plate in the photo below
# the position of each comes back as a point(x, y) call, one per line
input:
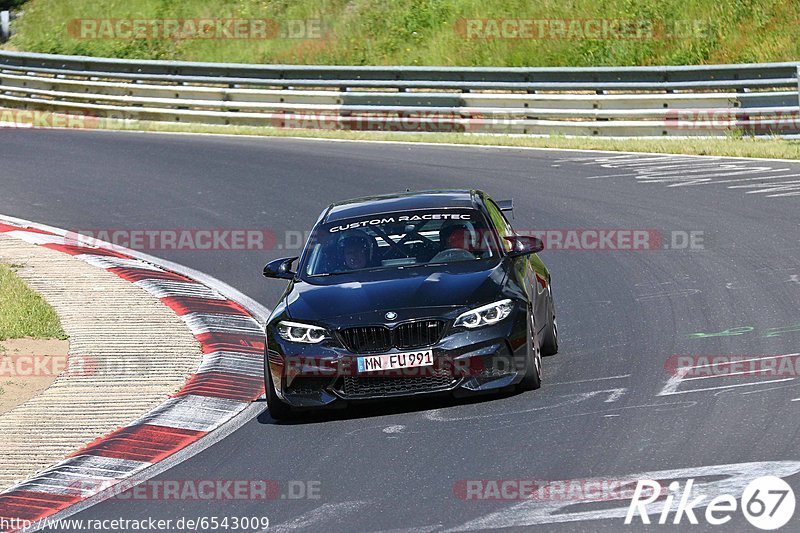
point(392, 361)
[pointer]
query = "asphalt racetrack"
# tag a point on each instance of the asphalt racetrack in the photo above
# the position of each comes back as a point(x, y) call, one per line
point(611, 407)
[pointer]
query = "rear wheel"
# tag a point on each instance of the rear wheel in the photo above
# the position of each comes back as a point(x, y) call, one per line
point(533, 362)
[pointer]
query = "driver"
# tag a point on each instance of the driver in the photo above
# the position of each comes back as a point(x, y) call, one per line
point(356, 250)
point(457, 236)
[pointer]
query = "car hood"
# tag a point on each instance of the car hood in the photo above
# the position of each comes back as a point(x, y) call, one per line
point(402, 291)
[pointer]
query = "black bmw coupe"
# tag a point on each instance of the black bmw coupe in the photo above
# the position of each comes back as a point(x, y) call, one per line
point(408, 294)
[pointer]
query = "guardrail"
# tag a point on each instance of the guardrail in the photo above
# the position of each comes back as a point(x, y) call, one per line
point(627, 101)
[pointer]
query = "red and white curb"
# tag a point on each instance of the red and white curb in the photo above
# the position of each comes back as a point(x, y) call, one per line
point(229, 378)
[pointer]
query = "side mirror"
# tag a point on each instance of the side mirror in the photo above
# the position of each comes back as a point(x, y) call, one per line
point(524, 245)
point(280, 268)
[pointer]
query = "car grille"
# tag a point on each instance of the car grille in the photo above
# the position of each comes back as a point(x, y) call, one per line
point(381, 338)
point(367, 338)
point(361, 386)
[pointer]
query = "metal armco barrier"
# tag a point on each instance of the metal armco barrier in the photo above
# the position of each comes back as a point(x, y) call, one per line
point(709, 100)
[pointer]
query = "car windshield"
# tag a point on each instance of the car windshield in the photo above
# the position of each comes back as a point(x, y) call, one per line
point(399, 240)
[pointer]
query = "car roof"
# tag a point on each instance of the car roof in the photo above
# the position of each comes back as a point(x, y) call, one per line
point(386, 203)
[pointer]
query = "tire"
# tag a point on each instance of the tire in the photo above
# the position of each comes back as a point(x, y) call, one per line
point(533, 363)
point(550, 333)
point(278, 410)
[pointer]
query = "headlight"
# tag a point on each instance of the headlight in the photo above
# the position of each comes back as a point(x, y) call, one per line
point(295, 332)
point(485, 315)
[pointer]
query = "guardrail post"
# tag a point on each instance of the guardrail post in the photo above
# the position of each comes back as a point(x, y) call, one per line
point(798, 84)
point(5, 25)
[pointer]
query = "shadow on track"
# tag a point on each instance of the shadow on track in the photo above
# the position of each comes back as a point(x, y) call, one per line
point(383, 407)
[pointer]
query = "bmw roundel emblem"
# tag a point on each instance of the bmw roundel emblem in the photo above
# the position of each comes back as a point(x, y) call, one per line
point(391, 315)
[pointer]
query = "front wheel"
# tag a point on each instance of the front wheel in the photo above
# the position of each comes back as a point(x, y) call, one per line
point(550, 338)
point(277, 409)
point(550, 333)
point(533, 362)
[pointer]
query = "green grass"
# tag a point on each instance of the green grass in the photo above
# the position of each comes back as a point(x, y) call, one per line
point(23, 313)
point(425, 32)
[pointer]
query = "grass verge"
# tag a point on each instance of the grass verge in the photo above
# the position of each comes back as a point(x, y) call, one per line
point(732, 146)
point(23, 313)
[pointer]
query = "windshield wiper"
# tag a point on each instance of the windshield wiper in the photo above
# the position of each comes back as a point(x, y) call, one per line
point(323, 274)
point(375, 269)
point(416, 265)
point(381, 269)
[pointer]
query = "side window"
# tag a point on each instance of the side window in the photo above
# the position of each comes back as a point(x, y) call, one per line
point(499, 221)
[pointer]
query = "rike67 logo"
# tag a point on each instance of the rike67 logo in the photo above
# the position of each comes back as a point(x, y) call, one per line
point(767, 502)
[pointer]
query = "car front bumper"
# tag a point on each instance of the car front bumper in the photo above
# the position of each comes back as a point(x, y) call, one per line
point(465, 362)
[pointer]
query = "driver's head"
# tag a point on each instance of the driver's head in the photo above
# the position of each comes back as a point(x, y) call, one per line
point(356, 250)
point(456, 236)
